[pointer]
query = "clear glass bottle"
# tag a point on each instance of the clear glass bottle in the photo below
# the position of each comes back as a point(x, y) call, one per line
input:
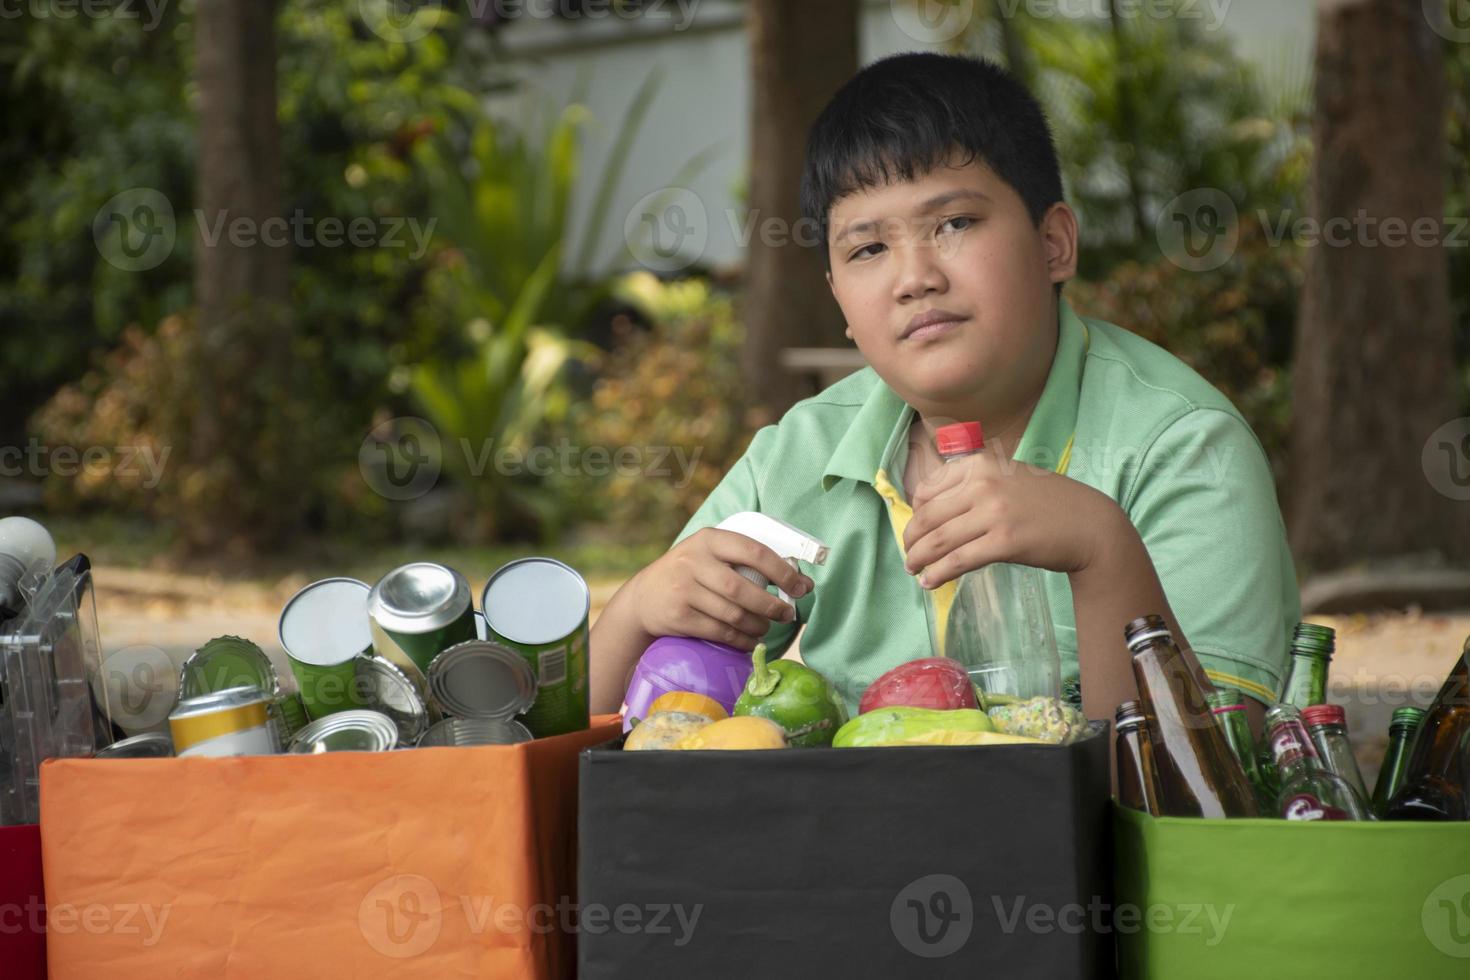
point(1308, 791)
point(1402, 729)
point(1138, 779)
point(999, 624)
point(1327, 726)
point(1198, 773)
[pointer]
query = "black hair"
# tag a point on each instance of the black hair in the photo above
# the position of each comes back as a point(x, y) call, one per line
point(905, 115)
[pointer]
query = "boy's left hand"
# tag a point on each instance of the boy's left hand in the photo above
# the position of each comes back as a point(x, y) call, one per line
point(980, 509)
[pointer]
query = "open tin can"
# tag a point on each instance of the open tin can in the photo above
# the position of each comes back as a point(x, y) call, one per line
point(540, 608)
point(324, 628)
point(453, 732)
point(347, 731)
point(149, 745)
point(481, 679)
point(389, 690)
point(231, 722)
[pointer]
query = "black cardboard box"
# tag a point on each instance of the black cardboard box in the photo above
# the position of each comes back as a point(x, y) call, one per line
point(877, 862)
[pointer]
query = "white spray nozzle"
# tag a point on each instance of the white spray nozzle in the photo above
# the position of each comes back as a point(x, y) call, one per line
point(792, 544)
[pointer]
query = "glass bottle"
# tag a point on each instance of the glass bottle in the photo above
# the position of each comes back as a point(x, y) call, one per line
point(1198, 773)
point(1308, 791)
point(1401, 731)
point(1138, 780)
point(1312, 647)
point(1327, 726)
point(999, 623)
point(1437, 784)
point(1228, 706)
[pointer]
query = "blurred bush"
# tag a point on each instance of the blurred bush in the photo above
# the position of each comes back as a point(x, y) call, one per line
point(673, 393)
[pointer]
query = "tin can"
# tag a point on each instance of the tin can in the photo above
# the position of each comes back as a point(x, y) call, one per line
point(347, 731)
point(540, 608)
point(417, 611)
point(289, 715)
point(150, 745)
point(231, 722)
point(474, 731)
point(482, 679)
point(225, 662)
point(324, 628)
point(392, 692)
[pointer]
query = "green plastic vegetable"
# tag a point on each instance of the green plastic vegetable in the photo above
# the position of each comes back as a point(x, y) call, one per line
point(793, 696)
point(887, 725)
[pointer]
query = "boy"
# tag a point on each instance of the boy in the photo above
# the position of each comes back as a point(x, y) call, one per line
point(1111, 465)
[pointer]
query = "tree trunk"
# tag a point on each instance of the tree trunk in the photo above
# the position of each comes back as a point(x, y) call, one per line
point(1373, 377)
point(241, 448)
point(801, 53)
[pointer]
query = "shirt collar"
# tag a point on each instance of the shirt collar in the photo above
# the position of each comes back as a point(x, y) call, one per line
point(869, 443)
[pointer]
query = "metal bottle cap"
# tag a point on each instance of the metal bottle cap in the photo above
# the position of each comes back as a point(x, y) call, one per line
point(150, 745)
point(225, 662)
point(481, 679)
point(387, 689)
point(326, 623)
point(419, 597)
point(347, 731)
point(535, 601)
point(474, 731)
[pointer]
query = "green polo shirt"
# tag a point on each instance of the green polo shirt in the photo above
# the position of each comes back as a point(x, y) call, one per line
point(1119, 414)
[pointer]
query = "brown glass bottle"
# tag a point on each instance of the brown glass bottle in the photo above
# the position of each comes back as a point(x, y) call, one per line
point(1199, 775)
point(1138, 780)
point(1437, 786)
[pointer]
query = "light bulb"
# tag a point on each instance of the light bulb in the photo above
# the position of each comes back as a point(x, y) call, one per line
point(26, 548)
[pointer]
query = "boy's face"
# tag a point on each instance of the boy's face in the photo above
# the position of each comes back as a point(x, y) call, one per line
point(959, 241)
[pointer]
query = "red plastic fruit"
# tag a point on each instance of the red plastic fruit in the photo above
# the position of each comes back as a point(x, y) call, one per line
point(934, 682)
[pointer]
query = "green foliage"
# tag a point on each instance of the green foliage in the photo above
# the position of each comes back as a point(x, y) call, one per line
point(678, 388)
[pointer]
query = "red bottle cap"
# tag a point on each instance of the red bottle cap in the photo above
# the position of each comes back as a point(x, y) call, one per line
point(1324, 714)
point(959, 439)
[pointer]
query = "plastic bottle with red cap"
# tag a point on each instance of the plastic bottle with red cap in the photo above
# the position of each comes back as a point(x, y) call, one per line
point(999, 624)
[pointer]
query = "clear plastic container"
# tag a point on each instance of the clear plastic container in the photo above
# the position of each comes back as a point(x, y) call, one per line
point(999, 625)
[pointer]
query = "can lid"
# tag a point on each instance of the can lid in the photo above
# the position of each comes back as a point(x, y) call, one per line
point(347, 731)
point(389, 690)
point(1407, 716)
point(149, 745)
point(225, 662)
point(326, 623)
point(474, 731)
point(1324, 714)
point(234, 697)
point(959, 438)
point(535, 601)
point(482, 679)
point(419, 597)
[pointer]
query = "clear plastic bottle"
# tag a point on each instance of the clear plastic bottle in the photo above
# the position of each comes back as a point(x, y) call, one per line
point(999, 624)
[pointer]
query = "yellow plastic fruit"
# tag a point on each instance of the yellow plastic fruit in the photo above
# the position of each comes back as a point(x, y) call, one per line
point(696, 704)
point(950, 737)
point(663, 730)
point(740, 732)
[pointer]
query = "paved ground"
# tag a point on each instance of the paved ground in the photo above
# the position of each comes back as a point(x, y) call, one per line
point(1384, 660)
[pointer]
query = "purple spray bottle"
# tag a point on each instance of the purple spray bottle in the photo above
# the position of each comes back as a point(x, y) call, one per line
point(682, 663)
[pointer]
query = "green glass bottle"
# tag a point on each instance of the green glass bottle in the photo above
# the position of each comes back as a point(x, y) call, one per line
point(1312, 647)
point(1228, 706)
point(1401, 731)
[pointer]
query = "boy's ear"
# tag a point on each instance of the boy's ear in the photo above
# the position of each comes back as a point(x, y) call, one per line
point(1059, 237)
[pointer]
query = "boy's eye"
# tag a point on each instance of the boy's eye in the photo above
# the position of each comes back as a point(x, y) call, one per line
point(960, 221)
point(862, 252)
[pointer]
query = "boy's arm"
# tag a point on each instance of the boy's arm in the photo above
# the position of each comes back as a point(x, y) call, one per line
point(619, 640)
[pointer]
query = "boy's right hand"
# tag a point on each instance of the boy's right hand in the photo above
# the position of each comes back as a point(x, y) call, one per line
point(694, 590)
